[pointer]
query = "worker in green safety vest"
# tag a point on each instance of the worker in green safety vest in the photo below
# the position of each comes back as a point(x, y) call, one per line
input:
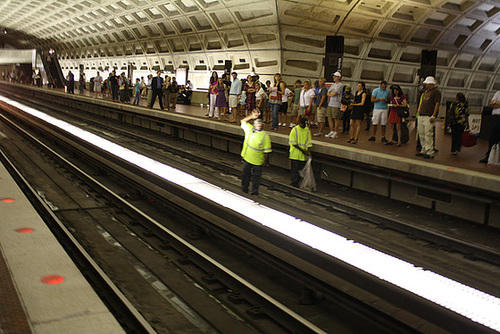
point(300, 142)
point(255, 152)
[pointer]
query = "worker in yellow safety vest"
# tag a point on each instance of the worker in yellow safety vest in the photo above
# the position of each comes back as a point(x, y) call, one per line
point(300, 142)
point(255, 152)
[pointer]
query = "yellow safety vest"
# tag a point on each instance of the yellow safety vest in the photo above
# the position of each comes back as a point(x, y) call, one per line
point(301, 137)
point(256, 144)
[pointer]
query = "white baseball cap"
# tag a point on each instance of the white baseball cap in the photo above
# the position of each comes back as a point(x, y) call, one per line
point(429, 81)
point(337, 74)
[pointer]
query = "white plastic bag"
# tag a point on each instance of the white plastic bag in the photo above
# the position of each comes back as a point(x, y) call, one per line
point(494, 157)
point(308, 182)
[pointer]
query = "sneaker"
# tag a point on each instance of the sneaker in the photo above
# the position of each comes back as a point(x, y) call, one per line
point(279, 124)
point(317, 134)
point(284, 124)
point(292, 125)
point(329, 134)
point(335, 135)
point(372, 138)
point(383, 140)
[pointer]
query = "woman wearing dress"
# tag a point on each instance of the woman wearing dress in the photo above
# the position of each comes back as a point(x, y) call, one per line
point(358, 111)
point(398, 100)
point(220, 98)
point(250, 89)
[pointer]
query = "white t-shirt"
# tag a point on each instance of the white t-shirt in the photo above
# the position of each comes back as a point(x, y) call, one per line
point(305, 97)
point(334, 101)
point(496, 97)
point(259, 94)
point(284, 97)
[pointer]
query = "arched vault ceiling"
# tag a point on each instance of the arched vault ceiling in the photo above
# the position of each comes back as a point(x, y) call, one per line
point(469, 26)
point(382, 36)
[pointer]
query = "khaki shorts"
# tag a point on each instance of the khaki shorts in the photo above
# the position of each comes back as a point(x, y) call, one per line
point(321, 114)
point(233, 101)
point(333, 112)
point(313, 109)
point(293, 110)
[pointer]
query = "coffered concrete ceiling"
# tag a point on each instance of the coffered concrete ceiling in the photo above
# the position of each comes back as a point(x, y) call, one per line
point(384, 38)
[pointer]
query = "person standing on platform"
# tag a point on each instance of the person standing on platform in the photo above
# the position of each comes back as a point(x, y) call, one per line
point(306, 97)
point(358, 112)
point(250, 89)
point(333, 110)
point(300, 142)
point(276, 91)
point(234, 96)
point(71, 82)
point(149, 88)
point(294, 111)
point(174, 91)
point(398, 100)
point(97, 85)
point(81, 83)
point(137, 91)
point(220, 99)
point(157, 86)
point(322, 100)
point(113, 79)
point(166, 92)
point(495, 125)
point(212, 97)
point(380, 98)
point(459, 121)
point(255, 152)
point(428, 111)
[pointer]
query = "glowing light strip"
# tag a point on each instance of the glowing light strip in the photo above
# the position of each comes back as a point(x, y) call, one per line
point(467, 301)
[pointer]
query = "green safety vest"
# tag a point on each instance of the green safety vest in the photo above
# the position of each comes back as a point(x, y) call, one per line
point(256, 144)
point(301, 137)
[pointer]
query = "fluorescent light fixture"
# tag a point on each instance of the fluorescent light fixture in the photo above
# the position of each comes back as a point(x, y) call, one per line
point(462, 299)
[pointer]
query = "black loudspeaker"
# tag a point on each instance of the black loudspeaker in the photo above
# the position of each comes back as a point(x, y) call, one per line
point(334, 52)
point(228, 65)
point(334, 44)
point(428, 61)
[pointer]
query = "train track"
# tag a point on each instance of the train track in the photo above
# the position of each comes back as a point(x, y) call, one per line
point(469, 249)
point(202, 227)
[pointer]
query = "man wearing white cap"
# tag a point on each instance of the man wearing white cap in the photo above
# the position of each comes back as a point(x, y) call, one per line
point(333, 109)
point(428, 111)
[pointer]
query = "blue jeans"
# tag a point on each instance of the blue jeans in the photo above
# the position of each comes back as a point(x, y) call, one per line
point(247, 175)
point(275, 109)
point(137, 98)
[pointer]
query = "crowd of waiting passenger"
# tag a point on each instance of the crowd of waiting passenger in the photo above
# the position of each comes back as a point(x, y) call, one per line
point(230, 99)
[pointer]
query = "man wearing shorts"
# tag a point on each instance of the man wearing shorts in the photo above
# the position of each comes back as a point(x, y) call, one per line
point(322, 106)
point(234, 96)
point(333, 109)
point(380, 97)
point(97, 85)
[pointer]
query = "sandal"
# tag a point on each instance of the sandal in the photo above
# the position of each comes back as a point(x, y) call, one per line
point(398, 145)
point(389, 143)
point(355, 141)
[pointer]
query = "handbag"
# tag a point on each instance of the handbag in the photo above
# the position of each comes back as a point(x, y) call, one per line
point(343, 107)
point(468, 139)
point(404, 112)
point(494, 157)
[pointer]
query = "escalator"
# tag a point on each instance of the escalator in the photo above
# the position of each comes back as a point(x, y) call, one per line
point(52, 68)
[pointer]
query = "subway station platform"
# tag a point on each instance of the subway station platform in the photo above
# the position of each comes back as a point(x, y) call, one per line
point(42, 291)
point(452, 184)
